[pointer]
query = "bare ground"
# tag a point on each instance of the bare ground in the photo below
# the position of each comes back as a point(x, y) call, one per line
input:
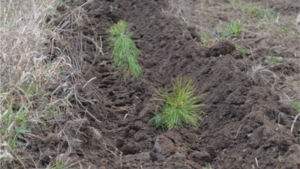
point(248, 109)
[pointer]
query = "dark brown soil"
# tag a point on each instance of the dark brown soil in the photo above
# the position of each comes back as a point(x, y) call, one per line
point(245, 126)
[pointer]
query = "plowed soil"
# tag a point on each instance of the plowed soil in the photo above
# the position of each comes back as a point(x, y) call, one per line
point(247, 122)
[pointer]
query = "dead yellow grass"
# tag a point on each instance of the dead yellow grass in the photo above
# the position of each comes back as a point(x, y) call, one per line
point(32, 84)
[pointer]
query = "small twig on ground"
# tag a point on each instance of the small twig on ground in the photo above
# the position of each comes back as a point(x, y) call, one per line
point(33, 161)
point(89, 82)
point(256, 161)
point(19, 159)
point(294, 122)
point(279, 114)
point(98, 48)
point(121, 162)
point(93, 117)
point(237, 133)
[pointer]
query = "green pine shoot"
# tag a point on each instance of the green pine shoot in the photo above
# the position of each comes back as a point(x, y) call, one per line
point(180, 106)
point(125, 53)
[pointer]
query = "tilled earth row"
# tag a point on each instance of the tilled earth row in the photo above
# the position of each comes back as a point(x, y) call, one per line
point(245, 125)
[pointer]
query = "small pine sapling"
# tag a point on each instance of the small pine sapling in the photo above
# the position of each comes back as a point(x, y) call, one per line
point(124, 53)
point(179, 106)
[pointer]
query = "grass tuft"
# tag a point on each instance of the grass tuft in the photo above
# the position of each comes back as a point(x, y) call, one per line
point(60, 162)
point(234, 3)
point(231, 29)
point(296, 106)
point(272, 60)
point(24, 76)
point(179, 106)
point(207, 167)
point(264, 14)
point(125, 53)
point(243, 51)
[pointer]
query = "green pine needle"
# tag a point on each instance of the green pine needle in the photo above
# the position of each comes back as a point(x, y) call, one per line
point(125, 53)
point(180, 106)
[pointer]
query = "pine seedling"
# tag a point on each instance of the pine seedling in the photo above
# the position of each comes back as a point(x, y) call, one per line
point(179, 106)
point(124, 53)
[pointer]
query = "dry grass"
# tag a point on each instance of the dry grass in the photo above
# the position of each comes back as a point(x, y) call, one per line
point(34, 86)
point(25, 75)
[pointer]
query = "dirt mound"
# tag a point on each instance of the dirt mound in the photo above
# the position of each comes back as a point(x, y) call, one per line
point(245, 125)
